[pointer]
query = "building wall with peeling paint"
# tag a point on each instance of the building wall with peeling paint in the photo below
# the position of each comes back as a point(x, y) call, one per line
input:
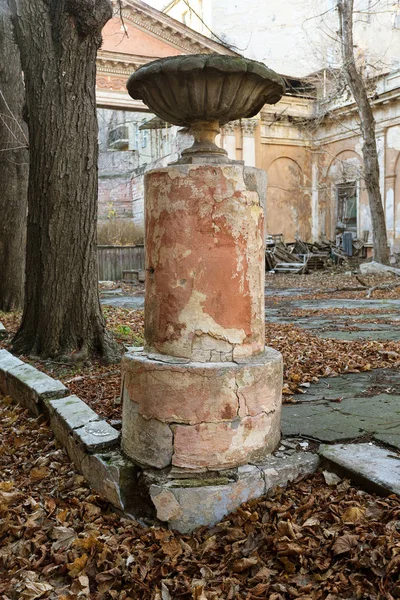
point(308, 155)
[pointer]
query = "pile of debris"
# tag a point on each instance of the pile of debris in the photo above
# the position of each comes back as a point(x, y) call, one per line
point(302, 257)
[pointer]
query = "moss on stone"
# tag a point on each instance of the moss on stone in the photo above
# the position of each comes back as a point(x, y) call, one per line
point(189, 483)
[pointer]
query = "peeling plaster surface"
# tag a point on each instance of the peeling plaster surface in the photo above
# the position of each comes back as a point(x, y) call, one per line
point(202, 414)
point(204, 393)
point(199, 218)
point(393, 138)
point(390, 209)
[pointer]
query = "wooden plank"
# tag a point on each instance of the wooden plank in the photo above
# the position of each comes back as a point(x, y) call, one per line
point(113, 260)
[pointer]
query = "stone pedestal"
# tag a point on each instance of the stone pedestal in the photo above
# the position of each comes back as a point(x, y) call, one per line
point(204, 394)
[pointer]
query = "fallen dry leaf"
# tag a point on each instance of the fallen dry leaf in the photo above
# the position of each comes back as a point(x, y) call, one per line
point(76, 567)
point(354, 514)
point(39, 473)
point(345, 543)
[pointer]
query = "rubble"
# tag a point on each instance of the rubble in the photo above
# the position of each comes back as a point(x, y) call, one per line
point(302, 257)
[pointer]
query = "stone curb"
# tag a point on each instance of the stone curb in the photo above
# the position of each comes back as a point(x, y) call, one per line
point(89, 441)
point(93, 446)
point(26, 384)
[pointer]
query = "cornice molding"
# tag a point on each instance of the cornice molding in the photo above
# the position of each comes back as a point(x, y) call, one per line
point(168, 29)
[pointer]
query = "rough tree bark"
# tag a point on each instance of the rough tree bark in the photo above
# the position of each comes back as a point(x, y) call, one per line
point(58, 41)
point(370, 154)
point(13, 168)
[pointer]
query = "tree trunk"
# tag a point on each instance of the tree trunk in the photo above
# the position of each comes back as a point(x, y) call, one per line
point(13, 168)
point(370, 155)
point(58, 41)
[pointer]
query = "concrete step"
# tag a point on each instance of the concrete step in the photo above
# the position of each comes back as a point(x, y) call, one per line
point(374, 468)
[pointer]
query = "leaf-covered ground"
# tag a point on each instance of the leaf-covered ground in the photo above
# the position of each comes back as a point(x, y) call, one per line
point(59, 540)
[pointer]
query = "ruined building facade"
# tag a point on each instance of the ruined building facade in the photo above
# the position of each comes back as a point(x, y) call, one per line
point(309, 143)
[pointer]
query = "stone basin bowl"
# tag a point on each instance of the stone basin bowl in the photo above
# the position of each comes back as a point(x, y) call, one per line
point(205, 87)
point(203, 92)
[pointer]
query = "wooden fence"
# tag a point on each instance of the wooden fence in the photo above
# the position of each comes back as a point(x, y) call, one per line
point(115, 259)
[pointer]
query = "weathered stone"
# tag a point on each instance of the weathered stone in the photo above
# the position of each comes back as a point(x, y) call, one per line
point(279, 471)
point(221, 445)
point(227, 88)
point(180, 393)
point(259, 385)
point(119, 481)
point(375, 268)
point(3, 331)
point(319, 421)
point(372, 412)
point(31, 387)
point(376, 468)
point(189, 506)
point(219, 397)
point(189, 294)
point(96, 436)
point(7, 362)
point(71, 411)
point(102, 478)
point(146, 441)
point(65, 414)
point(167, 506)
point(79, 429)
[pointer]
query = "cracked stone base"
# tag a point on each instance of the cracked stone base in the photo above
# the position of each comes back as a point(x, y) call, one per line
point(186, 504)
point(197, 415)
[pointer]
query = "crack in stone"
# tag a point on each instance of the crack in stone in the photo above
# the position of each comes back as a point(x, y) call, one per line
point(236, 390)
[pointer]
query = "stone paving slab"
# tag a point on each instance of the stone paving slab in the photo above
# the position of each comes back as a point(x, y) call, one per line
point(349, 409)
point(345, 303)
point(344, 386)
point(133, 302)
point(375, 467)
point(319, 422)
point(389, 335)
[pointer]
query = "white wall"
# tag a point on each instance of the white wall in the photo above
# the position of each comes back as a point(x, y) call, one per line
point(294, 36)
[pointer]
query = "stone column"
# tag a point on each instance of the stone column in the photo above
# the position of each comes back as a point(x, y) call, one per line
point(315, 232)
point(249, 145)
point(229, 139)
point(205, 393)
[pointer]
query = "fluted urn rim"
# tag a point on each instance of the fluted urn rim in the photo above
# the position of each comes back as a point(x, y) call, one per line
point(187, 88)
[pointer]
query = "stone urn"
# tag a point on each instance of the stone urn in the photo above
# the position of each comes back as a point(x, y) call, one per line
point(205, 393)
point(204, 92)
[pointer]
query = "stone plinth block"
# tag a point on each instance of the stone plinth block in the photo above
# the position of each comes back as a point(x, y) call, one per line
point(205, 263)
point(200, 415)
point(187, 503)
